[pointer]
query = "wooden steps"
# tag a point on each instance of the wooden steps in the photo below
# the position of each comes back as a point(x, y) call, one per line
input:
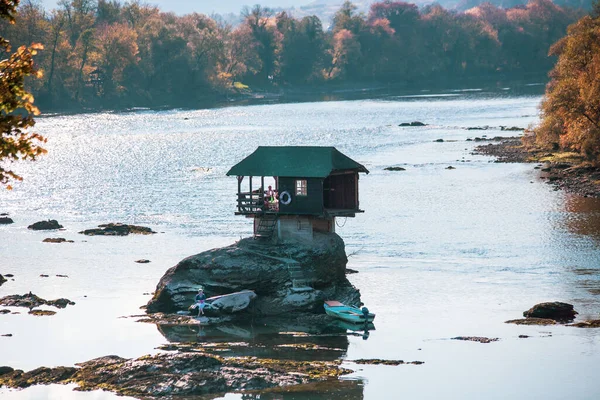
point(266, 226)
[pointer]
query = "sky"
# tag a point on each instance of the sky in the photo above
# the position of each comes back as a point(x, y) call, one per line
point(208, 6)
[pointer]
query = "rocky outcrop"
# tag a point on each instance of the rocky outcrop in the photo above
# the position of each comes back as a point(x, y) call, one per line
point(6, 220)
point(117, 229)
point(45, 225)
point(557, 311)
point(179, 375)
point(265, 269)
point(30, 301)
point(2, 280)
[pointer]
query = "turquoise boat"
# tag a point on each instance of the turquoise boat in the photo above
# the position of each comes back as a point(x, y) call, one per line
point(348, 313)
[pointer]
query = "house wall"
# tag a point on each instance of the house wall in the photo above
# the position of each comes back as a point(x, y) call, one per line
point(292, 228)
point(312, 203)
point(341, 191)
point(301, 228)
point(324, 225)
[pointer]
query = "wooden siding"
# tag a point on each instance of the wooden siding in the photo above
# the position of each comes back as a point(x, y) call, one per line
point(311, 204)
point(340, 191)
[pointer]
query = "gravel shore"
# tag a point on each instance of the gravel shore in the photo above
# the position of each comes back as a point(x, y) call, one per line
point(566, 171)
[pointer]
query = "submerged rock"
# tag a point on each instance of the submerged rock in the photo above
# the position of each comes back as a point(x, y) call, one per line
point(557, 311)
point(57, 240)
point(531, 321)
point(377, 361)
point(40, 313)
point(117, 229)
point(271, 271)
point(45, 225)
point(476, 339)
point(395, 169)
point(414, 123)
point(175, 375)
point(30, 301)
point(594, 323)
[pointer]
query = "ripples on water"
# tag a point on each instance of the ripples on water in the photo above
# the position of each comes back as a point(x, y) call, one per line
point(440, 252)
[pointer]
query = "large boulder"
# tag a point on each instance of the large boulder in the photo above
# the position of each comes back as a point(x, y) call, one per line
point(287, 278)
point(556, 311)
point(45, 225)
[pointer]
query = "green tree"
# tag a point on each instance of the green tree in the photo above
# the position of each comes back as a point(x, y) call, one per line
point(17, 142)
point(267, 41)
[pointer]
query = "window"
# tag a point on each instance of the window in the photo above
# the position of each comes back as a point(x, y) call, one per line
point(301, 187)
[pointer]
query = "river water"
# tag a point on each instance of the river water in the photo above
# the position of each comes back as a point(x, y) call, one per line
point(440, 253)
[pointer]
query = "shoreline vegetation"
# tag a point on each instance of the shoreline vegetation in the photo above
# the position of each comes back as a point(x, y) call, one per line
point(565, 170)
point(112, 55)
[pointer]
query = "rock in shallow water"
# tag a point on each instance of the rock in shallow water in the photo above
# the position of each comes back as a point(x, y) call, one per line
point(269, 270)
point(532, 321)
point(45, 225)
point(56, 240)
point(177, 375)
point(117, 229)
point(30, 300)
point(556, 311)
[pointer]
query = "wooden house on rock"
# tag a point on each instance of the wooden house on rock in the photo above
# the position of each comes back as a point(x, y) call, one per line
point(311, 186)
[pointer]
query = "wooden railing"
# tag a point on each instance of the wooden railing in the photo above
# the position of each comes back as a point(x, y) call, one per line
point(251, 202)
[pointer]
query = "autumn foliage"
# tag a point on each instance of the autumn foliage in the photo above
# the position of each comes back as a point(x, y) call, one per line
point(571, 106)
point(17, 142)
point(110, 54)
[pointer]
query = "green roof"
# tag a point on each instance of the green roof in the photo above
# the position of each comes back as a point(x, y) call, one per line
point(295, 161)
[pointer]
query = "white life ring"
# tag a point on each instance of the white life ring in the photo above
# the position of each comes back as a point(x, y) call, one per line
point(285, 198)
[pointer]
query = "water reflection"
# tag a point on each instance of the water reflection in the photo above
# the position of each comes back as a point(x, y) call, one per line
point(584, 216)
point(279, 340)
point(335, 390)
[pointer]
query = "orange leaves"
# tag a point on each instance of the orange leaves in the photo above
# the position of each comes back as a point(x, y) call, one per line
point(16, 103)
point(573, 95)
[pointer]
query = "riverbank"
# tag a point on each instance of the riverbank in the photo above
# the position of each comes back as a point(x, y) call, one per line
point(240, 95)
point(564, 170)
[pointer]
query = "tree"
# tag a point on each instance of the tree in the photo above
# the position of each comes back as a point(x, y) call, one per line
point(571, 106)
point(17, 142)
point(267, 40)
point(117, 47)
point(302, 48)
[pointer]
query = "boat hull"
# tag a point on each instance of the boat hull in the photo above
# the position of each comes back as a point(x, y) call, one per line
point(349, 314)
